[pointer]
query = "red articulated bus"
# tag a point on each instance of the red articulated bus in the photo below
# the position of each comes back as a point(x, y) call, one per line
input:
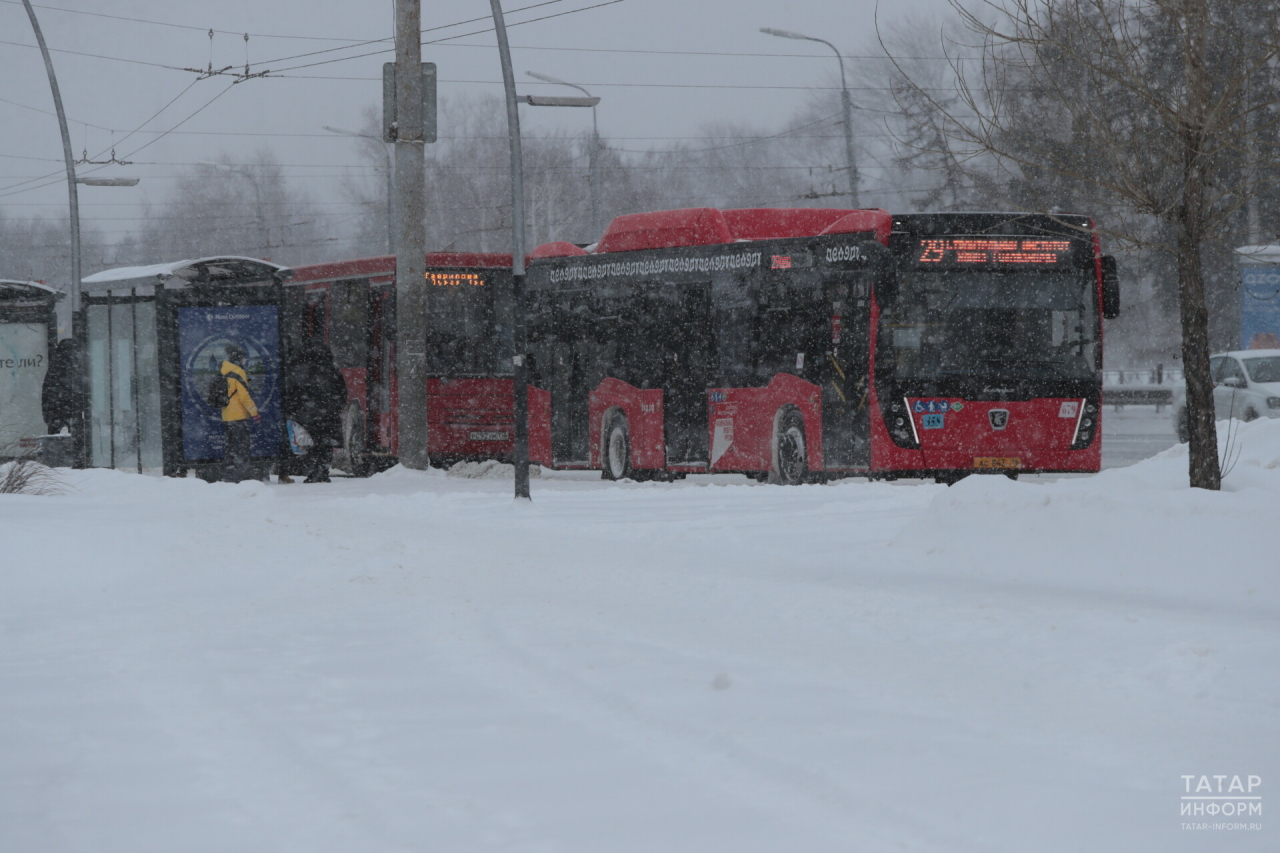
point(351, 305)
point(802, 344)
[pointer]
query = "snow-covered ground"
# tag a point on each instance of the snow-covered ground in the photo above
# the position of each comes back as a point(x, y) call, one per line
point(414, 663)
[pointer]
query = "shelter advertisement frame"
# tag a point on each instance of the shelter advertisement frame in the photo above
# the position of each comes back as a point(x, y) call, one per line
point(24, 304)
point(211, 317)
point(154, 337)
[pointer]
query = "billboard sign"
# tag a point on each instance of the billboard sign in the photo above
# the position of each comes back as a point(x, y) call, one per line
point(1260, 306)
point(24, 359)
point(204, 334)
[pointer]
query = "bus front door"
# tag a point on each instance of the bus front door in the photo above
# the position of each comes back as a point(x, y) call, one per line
point(846, 387)
point(684, 334)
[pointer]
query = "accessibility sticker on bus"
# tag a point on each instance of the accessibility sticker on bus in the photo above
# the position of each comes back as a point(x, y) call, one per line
point(932, 406)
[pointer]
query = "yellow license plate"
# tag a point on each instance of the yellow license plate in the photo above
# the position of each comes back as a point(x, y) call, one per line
point(996, 462)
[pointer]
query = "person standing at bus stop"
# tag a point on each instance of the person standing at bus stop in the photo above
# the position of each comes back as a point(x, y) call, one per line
point(315, 395)
point(240, 408)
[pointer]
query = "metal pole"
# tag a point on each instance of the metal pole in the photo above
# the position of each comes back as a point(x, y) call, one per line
point(72, 194)
point(519, 358)
point(848, 132)
point(846, 107)
point(593, 165)
point(391, 196)
point(410, 240)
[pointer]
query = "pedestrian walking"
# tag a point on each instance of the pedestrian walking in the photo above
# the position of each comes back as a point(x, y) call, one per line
point(315, 395)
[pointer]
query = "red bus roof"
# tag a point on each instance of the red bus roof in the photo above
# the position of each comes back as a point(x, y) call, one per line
point(385, 265)
point(703, 226)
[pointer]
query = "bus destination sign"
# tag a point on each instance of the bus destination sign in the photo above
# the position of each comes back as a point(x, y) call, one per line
point(965, 251)
point(451, 279)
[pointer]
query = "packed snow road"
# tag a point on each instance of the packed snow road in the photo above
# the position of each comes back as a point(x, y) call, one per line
point(413, 663)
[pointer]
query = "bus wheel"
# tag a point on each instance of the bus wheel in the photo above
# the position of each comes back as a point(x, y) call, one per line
point(790, 458)
point(616, 456)
point(354, 460)
point(1250, 414)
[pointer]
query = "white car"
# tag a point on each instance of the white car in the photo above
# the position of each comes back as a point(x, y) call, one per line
point(1246, 386)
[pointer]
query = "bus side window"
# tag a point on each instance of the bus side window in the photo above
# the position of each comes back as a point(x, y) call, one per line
point(348, 325)
point(791, 326)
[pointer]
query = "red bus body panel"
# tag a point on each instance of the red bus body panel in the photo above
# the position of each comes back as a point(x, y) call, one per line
point(644, 413)
point(741, 423)
point(470, 418)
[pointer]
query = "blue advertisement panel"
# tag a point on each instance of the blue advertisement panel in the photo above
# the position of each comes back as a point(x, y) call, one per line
point(1260, 307)
point(204, 335)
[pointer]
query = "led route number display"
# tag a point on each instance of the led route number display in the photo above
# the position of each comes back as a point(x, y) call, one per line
point(984, 250)
point(450, 279)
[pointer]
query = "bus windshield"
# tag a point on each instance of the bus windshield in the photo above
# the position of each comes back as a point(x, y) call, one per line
point(992, 325)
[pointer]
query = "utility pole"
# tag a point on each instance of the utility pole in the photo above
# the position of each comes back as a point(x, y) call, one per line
point(410, 238)
point(72, 193)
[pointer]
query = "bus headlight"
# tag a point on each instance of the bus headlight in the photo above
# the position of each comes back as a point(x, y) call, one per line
point(1087, 425)
point(897, 418)
point(1273, 402)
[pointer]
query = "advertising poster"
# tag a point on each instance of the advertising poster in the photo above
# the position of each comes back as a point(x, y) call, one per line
point(1260, 307)
point(204, 334)
point(24, 359)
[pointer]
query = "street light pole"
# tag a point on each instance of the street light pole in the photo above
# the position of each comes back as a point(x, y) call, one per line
point(72, 193)
point(391, 187)
point(847, 106)
point(519, 359)
point(593, 153)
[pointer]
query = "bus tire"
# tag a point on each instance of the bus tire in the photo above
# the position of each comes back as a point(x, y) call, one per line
point(615, 449)
point(1250, 414)
point(790, 452)
point(354, 459)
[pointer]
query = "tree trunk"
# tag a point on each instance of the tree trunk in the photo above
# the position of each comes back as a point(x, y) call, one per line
point(1201, 427)
point(1204, 471)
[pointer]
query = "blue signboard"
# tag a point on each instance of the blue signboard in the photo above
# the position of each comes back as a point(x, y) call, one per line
point(203, 337)
point(1260, 307)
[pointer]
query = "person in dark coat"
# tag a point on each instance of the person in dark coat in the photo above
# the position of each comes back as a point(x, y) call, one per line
point(315, 395)
point(62, 397)
point(64, 400)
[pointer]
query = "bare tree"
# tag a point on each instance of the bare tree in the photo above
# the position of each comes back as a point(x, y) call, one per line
point(1141, 108)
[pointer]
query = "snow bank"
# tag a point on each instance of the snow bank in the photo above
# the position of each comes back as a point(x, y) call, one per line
point(1139, 531)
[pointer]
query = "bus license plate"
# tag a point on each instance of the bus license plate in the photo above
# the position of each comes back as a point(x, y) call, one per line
point(996, 462)
point(489, 435)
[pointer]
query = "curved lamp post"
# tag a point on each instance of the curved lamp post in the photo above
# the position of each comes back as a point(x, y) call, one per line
point(848, 107)
point(593, 154)
point(519, 345)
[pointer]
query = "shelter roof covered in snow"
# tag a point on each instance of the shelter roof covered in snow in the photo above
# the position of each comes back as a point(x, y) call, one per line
point(1263, 253)
point(221, 270)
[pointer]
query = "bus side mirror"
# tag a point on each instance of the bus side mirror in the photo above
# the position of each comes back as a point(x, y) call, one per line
point(1110, 288)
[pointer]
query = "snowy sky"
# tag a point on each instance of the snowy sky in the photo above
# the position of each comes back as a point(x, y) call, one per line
point(649, 99)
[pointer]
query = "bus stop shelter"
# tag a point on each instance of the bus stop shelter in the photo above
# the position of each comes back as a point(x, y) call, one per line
point(1259, 296)
point(28, 335)
point(155, 338)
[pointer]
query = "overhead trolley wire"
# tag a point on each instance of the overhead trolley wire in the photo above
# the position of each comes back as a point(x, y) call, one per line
point(273, 72)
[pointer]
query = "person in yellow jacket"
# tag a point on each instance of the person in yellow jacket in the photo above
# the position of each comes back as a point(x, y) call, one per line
point(236, 414)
